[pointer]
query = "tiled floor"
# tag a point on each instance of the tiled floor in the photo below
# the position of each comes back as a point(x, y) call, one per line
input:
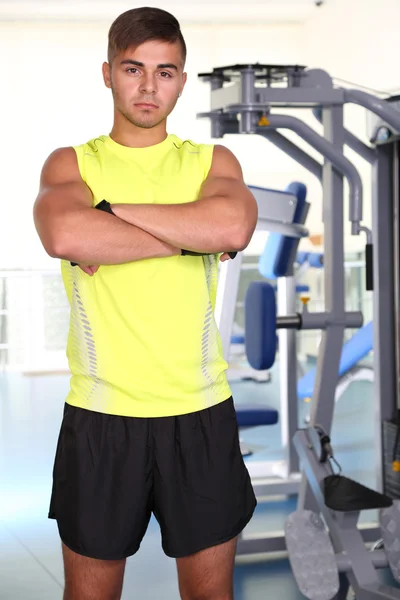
point(30, 558)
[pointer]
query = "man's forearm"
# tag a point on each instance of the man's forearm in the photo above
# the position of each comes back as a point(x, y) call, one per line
point(211, 224)
point(91, 237)
point(176, 224)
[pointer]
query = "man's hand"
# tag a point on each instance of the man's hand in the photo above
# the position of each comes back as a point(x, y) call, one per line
point(89, 269)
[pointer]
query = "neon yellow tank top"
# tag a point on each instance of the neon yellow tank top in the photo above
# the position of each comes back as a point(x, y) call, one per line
point(143, 341)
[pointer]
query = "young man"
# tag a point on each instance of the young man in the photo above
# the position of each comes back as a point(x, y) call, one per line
point(138, 218)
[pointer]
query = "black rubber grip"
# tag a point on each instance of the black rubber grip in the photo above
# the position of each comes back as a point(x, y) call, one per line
point(191, 253)
point(369, 274)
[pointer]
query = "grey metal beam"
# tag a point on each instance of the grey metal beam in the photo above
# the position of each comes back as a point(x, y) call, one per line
point(287, 146)
point(268, 97)
point(267, 487)
point(334, 154)
point(264, 543)
point(289, 418)
point(376, 105)
point(323, 400)
point(316, 320)
point(248, 121)
point(396, 259)
point(304, 97)
point(325, 320)
point(261, 543)
point(352, 141)
point(301, 96)
point(379, 560)
point(230, 98)
point(359, 147)
point(384, 330)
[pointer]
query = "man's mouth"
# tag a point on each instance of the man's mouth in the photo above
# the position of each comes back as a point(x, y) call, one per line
point(146, 105)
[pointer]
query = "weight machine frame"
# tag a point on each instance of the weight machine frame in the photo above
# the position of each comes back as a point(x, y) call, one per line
point(242, 97)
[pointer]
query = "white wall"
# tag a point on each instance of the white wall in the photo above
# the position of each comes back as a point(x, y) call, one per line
point(225, 12)
point(357, 41)
point(53, 95)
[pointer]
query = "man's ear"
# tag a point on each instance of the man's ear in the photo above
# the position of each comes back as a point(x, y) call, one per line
point(184, 80)
point(106, 69)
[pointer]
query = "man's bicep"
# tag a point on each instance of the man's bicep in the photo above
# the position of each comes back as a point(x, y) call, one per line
point(61, 190)
point(225, 164)
point(224, 174)
point(60, 172)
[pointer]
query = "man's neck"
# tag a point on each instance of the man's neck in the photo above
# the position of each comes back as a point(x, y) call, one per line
point(138, 137)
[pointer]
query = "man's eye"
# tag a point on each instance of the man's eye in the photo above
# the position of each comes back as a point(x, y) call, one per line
point(131, 69)
point(165, 75)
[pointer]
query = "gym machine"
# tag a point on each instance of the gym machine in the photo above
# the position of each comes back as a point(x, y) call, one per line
point(276, 211)
point(242, 99)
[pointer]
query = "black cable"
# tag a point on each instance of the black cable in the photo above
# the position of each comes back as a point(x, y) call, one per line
point(397, 440)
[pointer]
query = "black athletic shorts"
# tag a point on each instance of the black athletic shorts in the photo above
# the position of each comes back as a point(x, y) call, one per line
point(111, 473)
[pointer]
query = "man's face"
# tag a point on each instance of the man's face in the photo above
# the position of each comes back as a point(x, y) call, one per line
point(146, 82)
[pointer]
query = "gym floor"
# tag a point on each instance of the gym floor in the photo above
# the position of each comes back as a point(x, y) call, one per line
point(30, 557)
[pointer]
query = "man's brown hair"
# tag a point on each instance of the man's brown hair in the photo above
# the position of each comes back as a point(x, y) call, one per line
point(138, 25)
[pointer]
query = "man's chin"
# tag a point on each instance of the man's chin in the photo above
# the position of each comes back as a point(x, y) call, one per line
point(146, 123)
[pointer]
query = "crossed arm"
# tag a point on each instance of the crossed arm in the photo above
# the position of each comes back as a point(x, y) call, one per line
point(222, 219)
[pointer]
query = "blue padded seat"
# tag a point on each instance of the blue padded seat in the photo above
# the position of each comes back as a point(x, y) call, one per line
point(253, 415)
point(260, 325)
point(240, 338)
point(354, 350)
point(274, 261)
